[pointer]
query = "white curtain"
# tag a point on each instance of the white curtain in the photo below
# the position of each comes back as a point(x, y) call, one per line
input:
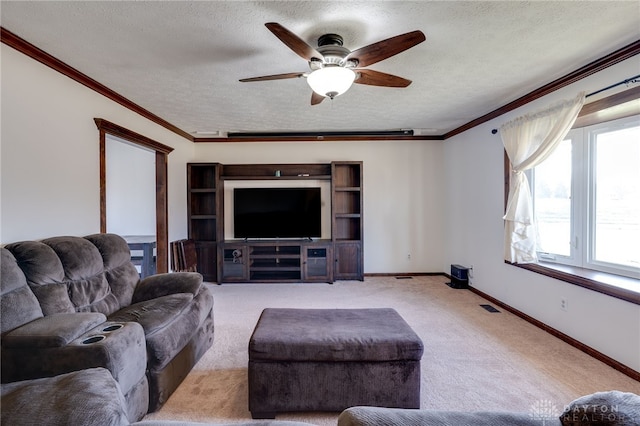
point(528, 141)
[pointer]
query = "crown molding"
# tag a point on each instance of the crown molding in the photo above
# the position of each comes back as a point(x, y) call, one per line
point(23, 46)
point(598, 65)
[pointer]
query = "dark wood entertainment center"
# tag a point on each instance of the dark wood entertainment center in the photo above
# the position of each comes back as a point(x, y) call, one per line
point(285, 260)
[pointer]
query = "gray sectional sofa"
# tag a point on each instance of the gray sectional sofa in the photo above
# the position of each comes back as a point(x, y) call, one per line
point(73, 303)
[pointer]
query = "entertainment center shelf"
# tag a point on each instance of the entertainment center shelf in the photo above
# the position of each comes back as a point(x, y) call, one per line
point(279, 260)
point(275, 172)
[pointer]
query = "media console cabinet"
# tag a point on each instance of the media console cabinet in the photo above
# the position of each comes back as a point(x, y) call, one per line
point(277, 261)
point(236, 261)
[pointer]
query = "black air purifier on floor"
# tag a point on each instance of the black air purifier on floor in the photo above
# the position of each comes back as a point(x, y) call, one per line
point(459, 277)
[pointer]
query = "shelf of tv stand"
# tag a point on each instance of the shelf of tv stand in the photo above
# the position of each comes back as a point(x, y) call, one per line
point(305, 177)
point(276, 172)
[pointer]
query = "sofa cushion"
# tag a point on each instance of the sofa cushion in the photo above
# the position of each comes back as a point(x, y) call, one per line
point(155, 314)
point(87, 285)
point(66, 274)
point(18, 304)
point(85, 397)
point(53, 330)
point(45, 275)
point(169, 323)
point(603, 408)
point(120, 273)
point(164, 284)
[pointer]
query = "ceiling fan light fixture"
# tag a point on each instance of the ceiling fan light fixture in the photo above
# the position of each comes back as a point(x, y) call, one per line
point(331, 81)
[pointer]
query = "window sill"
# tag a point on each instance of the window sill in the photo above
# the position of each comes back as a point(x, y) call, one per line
point(624, 288)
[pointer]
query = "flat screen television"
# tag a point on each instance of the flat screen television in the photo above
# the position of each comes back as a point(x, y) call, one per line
point(276, 213)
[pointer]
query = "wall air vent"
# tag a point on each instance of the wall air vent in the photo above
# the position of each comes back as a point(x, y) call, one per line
point(319, 134)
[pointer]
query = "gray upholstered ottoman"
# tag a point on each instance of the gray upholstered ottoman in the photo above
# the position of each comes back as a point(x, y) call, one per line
point(332, 359)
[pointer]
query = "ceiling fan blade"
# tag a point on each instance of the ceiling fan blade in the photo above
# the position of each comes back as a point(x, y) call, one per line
point(294, 42)
point(384, 49)
point(316, 99)
point(377, 78)
point(273, 77)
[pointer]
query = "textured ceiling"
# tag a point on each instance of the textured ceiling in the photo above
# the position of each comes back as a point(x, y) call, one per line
point(182, 60)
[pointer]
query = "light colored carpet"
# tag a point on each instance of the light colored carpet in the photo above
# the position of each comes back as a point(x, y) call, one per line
point(473, 359)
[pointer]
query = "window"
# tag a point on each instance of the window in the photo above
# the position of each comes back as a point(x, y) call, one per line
point(587, 199)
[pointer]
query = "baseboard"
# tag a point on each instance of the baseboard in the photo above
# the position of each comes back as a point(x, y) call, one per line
point(404, 274)
point(560, 335)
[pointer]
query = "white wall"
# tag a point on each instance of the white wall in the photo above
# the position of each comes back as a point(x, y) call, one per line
point(49, 153)
point(130, 188)
point(474, 204)
point(402, 191)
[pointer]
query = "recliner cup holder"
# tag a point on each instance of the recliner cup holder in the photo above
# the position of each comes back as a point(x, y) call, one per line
point(93, 339)
point(112, 327)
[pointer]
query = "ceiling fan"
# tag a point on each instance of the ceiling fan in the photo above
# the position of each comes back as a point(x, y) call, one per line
point(334, 67)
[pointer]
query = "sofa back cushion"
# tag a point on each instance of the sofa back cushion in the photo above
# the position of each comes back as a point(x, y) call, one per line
point(66, 274)
point(45, 275)
point(120, 272)
point(18, 304)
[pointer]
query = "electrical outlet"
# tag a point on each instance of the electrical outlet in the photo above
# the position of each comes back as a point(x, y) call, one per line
point(470, 272)
point(408, 256)
point(564, 304)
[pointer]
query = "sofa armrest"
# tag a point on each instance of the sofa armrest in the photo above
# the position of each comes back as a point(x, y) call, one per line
point(55, 330)
point(117, 346)
point(83, 397)
point(160, 285)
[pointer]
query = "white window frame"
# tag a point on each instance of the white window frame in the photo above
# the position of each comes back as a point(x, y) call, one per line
point(583, 200)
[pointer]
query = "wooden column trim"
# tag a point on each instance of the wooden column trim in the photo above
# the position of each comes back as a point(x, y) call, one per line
point(103, 182)
point(162, 216)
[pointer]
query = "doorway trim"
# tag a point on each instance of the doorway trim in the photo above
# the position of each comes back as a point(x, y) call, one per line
point(162, 151)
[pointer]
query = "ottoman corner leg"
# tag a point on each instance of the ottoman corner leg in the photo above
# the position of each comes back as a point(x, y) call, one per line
point(263, 414)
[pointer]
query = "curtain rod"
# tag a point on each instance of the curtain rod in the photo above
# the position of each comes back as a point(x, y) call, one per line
point(630, 80)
